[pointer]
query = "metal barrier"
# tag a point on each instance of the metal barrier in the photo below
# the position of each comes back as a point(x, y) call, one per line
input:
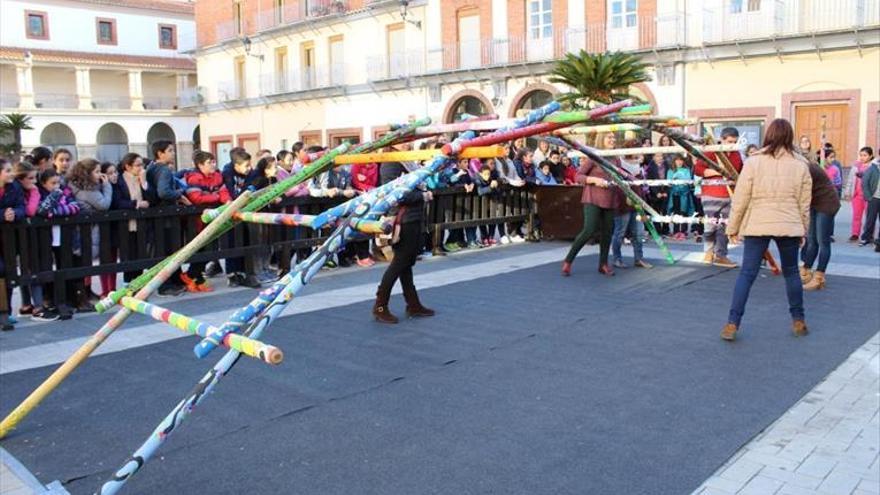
point(26, 247)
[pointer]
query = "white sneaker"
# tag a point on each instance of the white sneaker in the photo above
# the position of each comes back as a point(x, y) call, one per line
point(517, 239)
point(505, 239)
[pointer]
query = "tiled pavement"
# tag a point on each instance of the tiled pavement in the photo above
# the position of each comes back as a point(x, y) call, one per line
point(827, 443)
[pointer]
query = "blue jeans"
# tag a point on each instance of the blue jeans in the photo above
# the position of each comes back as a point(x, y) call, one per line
point(623, 223)
point(818, 240)
point(753, 253)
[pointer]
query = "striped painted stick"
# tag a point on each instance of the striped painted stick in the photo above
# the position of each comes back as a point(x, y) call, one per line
point(650, 150)
point(678, 137)
point(417, 155)
point(332, 215)
point(84, 351)
point(373, 204)
point(249, 347)
point(637, 201)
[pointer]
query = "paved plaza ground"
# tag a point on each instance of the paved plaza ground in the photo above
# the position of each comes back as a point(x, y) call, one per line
point(525, 382)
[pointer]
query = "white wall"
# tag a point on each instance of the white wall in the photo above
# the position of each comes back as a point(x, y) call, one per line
point(85, 127)
point(8, 81)
point(54, 80)
point(72, 27)
point(109, 83)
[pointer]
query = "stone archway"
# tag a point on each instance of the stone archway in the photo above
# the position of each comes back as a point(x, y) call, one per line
point(467, 101)
point(57, 135)
point(112, 141)
point(644, 92)
point(160, 130)
point(531, 97)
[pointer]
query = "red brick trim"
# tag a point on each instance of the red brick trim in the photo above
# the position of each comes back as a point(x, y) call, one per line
point(113, 38)
point(306, 136)
point(453, 102)
point(213, 141)
point(379, 130)
point(873, 115)
point(852, 97)
point(648, 93)
point(343, 132)
point(449, 28)
point(45, 16)
point(173, 45)
point(524, 93)
point(247, 137)
point(701, 114)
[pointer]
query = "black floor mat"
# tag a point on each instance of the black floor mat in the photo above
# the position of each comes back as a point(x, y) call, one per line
point(523, 383)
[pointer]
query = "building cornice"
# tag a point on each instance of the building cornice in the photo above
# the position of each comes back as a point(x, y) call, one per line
point(185, 8)
point(42, 57)
point(311, 23)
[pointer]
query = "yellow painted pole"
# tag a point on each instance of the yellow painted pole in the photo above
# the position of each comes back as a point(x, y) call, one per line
point(418, 155)
point(77, 358)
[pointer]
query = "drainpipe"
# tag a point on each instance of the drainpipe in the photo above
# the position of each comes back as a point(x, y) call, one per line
point(684, 64)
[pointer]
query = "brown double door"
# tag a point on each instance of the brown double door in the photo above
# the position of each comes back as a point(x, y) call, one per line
point(808, 120)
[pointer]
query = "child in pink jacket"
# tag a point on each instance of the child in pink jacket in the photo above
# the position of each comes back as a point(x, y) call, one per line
point(859, 203)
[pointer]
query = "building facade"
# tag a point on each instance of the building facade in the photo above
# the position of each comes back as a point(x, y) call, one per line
point(324, 71)
point(100, 78)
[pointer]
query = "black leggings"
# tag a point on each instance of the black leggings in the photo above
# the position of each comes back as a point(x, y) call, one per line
point(406, 251)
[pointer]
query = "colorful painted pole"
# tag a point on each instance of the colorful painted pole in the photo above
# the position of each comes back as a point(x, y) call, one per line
point(417, 155)
point(257, 202)
point(252, 348)
point(677, 137)
point(650, 150)
point(595, 129)
point(81, 354)
point(332, 215)
point(269, 194)
point(372, 204)
point(641, 205)
point(288, 219)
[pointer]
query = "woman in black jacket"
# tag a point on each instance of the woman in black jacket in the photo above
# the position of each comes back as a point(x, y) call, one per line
point(410, 214)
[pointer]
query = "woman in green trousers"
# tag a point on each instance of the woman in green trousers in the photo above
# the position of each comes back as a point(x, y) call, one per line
point(600, 204)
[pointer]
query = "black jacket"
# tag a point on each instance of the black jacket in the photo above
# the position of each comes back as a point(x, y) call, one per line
point(413, 201)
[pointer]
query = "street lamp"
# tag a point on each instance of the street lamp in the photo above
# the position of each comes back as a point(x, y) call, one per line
point(403, 13)
point(246, 41)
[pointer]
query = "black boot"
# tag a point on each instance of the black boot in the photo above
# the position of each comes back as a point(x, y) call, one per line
point(381, 311)
point(414, 308)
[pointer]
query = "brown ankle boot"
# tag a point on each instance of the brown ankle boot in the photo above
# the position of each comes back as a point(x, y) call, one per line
point(799, 328)
point(414, 308)
point(380, 310)
point(806, 275)
point(729, 332)
point(817, 282)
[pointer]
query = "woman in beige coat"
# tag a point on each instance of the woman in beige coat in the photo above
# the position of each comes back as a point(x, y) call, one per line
point(771, 202)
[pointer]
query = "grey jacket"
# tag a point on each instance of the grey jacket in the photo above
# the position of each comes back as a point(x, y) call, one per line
point(92, 200)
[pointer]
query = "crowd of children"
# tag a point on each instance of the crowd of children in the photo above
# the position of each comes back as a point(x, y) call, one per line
point(49, 184)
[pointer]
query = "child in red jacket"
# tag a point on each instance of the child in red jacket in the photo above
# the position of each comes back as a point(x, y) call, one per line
point(204, 188)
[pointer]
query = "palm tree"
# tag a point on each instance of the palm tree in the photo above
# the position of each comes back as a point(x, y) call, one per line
point(598, 78)
point(15, 123)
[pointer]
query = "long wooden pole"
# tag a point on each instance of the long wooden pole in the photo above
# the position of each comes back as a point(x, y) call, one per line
point(417, 155)
point(86, 350)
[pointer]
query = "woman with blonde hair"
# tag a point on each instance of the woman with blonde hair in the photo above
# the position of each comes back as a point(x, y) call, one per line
point(771, 202)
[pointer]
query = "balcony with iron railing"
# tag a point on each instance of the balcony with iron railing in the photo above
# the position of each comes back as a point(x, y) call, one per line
point(191, 97)
point(55, 100)
point(303, 79)
point(229, 91)
point(161, 103)
point(741, 20)
point(108, 102)
point(290, 13)
point(9, 100)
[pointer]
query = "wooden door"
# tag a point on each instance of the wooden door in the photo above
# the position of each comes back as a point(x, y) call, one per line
point(808, 120)
point(251, 144)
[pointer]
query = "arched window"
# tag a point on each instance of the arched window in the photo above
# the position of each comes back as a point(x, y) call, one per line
point(57, 135)
point(112, 143)
point(467, 105)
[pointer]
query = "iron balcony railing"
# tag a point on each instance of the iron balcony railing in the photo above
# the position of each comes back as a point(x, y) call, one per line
point(744, 20)
point(303, 79)
point(101, 102)
point(9, 100)
point(55, 100)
